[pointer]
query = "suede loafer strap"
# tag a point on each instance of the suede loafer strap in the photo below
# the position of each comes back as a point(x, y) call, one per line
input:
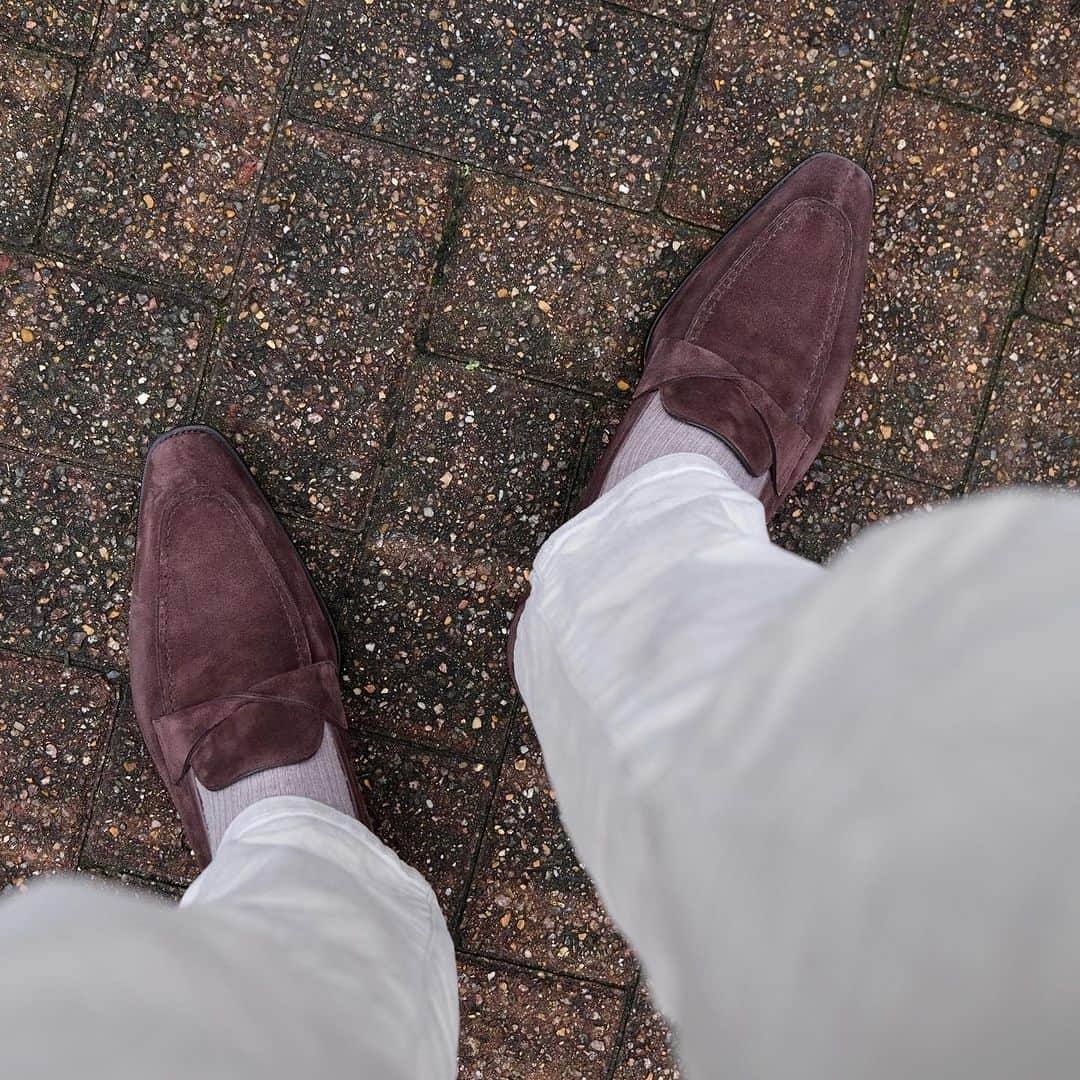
point(279, 721)
point(752, 422)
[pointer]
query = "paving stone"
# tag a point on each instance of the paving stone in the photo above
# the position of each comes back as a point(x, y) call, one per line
point(483, 462)
point(958, 198)
point(530, 899)
point(54, 723)
point(34, 93)
point(93, 370)
point(134, 828)
point(837, 500)
point(426, 647)
point(778, 82)
point(67, 25)
point(690, 13)
point(67, 540)
point(429, 808)
point(519, 1023)
point(647, 1053)
point(556, 285)
point(580, 96)
point(169, 135)
point(1054, 288)
point(324, 314)
point(1032, 434)
point(1020, 58)
point(482, 469)
point(331, 558)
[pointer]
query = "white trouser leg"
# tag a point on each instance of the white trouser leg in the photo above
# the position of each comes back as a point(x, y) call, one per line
point(307, 948)
point(835, 813)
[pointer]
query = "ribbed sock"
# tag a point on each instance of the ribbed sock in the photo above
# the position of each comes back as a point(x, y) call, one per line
point(321, 778)
point(656, 434)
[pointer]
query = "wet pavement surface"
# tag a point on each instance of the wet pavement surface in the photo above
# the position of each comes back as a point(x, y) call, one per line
point(406, 256)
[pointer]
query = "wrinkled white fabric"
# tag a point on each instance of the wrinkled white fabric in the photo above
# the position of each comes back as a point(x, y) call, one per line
point(306, 949)
point(835, 812)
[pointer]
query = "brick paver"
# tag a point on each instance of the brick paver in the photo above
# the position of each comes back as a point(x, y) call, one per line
point(1054, 288)
point(837, 500)
point(67, 538)
point(331, 557)
point(582, 96)
point(92, 369)
point(429, 808)
point(1031, 434)
point(53, 726)
point(34, 92)
point(647, 1052)
point(66, 25)
point(406, 257)
point(169, 134)
point(779, 81)
point(483, 470)
point(324, 314)
point(483, 464)
point(692, 13)
point(556, 286)
point(428, 646)
point(134, 827)
point(531, 900)
point(1011, 57)
point(958, 201)
point(528, 1023)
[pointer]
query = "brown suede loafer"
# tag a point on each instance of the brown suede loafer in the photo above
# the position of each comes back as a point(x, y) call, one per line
point(233, 657)
point(756, 344)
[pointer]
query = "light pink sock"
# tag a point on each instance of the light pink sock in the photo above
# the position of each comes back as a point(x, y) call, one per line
point(656, 434)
